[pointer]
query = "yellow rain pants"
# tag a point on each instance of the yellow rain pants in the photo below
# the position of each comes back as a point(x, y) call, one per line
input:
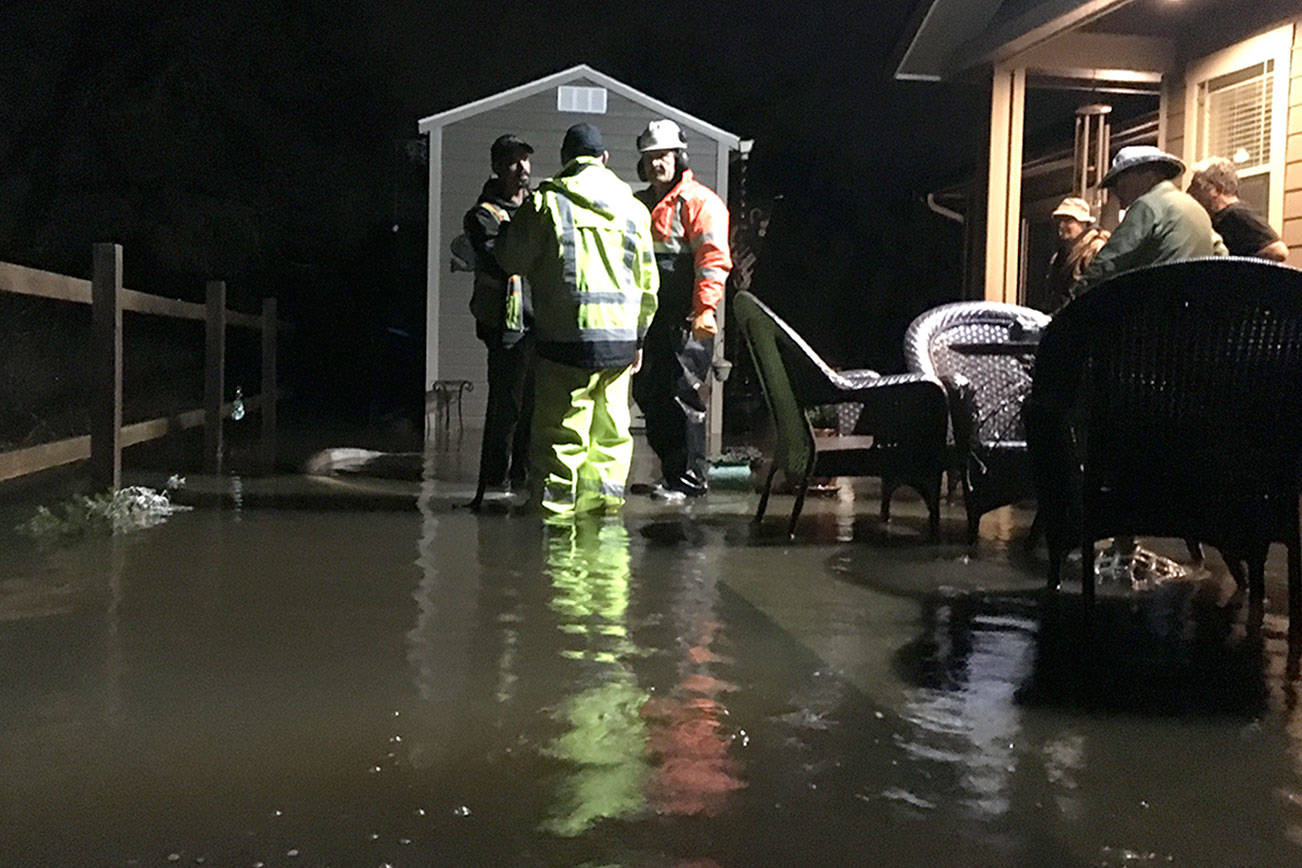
point(582, 447)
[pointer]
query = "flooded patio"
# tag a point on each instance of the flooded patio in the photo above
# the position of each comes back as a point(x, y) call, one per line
point(272, 682)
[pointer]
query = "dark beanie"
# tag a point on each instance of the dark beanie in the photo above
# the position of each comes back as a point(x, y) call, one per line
point(582, 140)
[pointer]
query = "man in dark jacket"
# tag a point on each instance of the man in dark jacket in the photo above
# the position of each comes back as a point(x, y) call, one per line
point(1215, 185)
point(503, 319)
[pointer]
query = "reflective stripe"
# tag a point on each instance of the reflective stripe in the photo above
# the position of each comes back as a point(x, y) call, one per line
point(569, 258)
point(719, 274)
point(604, 487)
point(558, 493)
point(499, 213)
point(669, 245)
point(630, 258)
point(588, 336)
point(708, 238)
point(618, 297)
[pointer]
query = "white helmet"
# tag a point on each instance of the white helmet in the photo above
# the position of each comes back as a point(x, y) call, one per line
point(663, 135)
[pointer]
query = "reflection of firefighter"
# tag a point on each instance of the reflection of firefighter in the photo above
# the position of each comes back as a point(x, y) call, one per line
point(689, 225)
point(694, 772)
point(605, 738)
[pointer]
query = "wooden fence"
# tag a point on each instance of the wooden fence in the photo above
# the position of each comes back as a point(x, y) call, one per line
point(108, 436)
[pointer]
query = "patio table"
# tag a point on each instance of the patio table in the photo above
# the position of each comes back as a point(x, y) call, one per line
point(1140, 568)
point(1021, 348)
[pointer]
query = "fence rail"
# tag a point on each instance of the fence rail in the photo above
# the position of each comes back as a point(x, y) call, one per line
point(108, 298)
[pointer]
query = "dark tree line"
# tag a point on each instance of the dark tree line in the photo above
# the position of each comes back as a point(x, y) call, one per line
point(256, 143)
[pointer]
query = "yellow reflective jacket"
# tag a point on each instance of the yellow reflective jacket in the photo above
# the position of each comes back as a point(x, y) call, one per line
point(584, 243)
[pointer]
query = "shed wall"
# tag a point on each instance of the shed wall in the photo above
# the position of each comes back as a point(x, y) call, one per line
point(465, 168)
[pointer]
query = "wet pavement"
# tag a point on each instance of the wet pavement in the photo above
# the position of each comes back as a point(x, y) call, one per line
point(267, 681)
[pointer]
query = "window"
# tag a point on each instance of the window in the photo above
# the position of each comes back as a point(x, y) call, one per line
point(1237, 107)
point(584, 100)
point(1234, 114)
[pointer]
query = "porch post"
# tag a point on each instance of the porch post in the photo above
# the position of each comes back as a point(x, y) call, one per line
point(106, 342)
point(1004, 191)
point(214, 376)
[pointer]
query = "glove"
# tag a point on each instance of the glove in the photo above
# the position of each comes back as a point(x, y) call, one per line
point(704, 326)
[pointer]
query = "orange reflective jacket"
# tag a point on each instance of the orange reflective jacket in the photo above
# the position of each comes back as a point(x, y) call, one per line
point(689, 227)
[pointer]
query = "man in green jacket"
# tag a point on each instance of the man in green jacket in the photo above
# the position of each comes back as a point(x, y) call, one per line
point(584, 244)
point(1162, 223)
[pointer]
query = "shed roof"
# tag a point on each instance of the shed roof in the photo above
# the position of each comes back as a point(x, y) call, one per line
point(582, 71)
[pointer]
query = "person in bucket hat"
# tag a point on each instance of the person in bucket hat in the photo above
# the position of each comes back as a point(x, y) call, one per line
point(1162, 223)
point(1079, 240)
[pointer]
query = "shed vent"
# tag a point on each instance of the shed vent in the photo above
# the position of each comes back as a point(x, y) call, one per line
point(586, 100)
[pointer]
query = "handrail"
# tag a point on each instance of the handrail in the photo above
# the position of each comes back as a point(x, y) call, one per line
point(22, 280)
point(56, 453)
point(108, 299)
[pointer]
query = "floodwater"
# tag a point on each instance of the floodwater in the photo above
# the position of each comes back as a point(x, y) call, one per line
point(667, 688)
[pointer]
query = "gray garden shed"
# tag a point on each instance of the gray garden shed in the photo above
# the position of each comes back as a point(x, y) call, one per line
point(539, 112)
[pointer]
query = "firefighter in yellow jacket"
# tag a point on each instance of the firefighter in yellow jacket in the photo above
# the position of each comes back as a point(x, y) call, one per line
point(689, 226)
point(584, 244)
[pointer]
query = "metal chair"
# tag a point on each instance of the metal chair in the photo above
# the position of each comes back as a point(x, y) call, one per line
point(987, 443)
point(899, 421)
point(439, 400)
point(1166, 402)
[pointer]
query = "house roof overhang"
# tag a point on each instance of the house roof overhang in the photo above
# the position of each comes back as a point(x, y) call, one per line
point(580, 72)
point(949, 37)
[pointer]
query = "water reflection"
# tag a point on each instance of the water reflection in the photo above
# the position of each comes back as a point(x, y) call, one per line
point(470, 643)
point(689, 733)
point(439, 645)
point(963, 714)
point(1135, 739)
point(603, 741)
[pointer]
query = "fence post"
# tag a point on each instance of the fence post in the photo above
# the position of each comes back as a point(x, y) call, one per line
point(268, 385)
point(106, 366)
point(214, 376)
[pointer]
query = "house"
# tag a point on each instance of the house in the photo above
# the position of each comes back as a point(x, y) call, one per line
point(1224, 75)
point(539, 112)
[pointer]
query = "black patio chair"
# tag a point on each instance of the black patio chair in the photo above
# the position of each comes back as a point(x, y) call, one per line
point(898, 431)
point(1168, 402)
point(987, 443)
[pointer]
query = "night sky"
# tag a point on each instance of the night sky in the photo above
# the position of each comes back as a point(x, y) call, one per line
point(256, 142)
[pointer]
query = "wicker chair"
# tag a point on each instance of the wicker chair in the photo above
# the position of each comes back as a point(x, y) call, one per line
point(1167, 402)
point(899, 421)
point(987, 444)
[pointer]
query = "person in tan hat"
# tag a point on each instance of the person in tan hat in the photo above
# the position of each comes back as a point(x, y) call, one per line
point(1162, 223)
point(1078, 240)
